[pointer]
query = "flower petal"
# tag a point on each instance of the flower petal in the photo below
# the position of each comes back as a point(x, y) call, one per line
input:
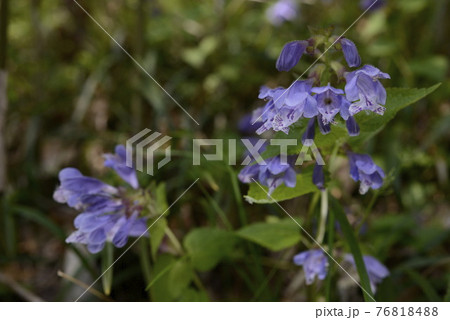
point(290, 55)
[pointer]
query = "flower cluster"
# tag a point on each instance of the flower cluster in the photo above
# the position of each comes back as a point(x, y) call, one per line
point(284, 107)
point(315, 263)
point(321, 105)
point(108, 214)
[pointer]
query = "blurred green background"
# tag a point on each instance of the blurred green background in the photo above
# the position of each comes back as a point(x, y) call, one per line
point(73, 94)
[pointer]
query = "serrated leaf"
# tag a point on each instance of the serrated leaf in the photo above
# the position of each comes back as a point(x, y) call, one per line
point(304, 185)
point(274, 236)
point(208, 246)
point(397, 99)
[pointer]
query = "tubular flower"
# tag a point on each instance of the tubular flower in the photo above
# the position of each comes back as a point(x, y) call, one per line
point(365, 91)
point(108, 213)
point(350, 51)
point(290, 54)
point(273, 173)
point(314, 263)
point(362, 168)
point(375, 269)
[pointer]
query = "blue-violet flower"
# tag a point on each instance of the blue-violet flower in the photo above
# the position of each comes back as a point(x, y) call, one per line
point(314, 263)
point(375, 269)
point(108, 214)
point(362, 168)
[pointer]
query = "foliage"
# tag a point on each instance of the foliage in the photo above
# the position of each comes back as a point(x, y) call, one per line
point(73, 94)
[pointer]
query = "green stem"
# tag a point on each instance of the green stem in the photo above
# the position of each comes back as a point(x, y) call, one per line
point(107, 261)
point(145, 261)
point(313, 204)
point(323, 215)
point(331, 263)
point(174, 241)
point(368, 209)
point(179, 249)
point(237, 196)
point(219, 210)
point(352, 242)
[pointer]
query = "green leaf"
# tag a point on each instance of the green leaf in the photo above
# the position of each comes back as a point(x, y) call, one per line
point(158, 229)
point(397, 100)
point(426, 287)
point(258, 193)
point(208, 246)
point(355, 250)
point(447, 295)
point(274, 236)
point(157, 234)
point(161, 199)
point(192, 295)
point(170, 278)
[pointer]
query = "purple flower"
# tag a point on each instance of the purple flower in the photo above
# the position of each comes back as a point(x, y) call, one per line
point(75, 188)
point(248, 173)
point(108, 214)
point(365, 91)
point(352, 126)
point(350, 51)
point(324, 128)
point(281, 11)
point(272, 174)
point(329, 102)
point(318, 177)
point(95, 229)
point(362, 168)
point(276, 172)
point(372, 4)
point(314, 263)
point(285, 106)
point(117, 162)
point(246, 125)
point(291, 54)
point(375, 269)
point(309, 133)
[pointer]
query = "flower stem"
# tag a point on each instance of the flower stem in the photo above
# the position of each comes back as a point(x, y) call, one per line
point(107, 262)
point(180, 250)
point(323, 215)
point(174, 240)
